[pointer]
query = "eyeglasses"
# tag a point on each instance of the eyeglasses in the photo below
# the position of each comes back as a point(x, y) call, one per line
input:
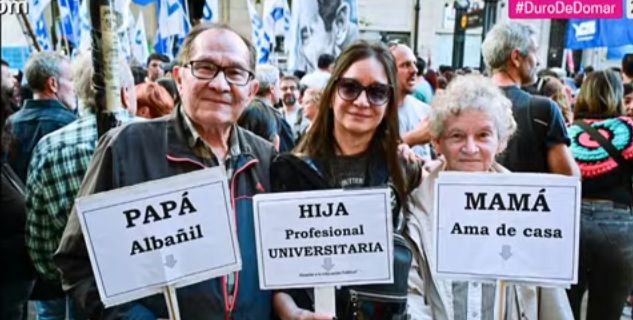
point(206, 70)
point(377, 93)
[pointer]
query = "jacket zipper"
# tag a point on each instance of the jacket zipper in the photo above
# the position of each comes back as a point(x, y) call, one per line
point(229, 306)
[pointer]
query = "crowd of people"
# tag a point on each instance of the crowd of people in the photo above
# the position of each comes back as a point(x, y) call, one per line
point(374, 116)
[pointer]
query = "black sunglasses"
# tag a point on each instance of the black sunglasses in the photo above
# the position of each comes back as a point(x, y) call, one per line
point(377, 93)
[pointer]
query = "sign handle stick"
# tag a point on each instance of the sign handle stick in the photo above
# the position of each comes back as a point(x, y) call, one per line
point(172, 302)
point(324, 300)
point(501, 298)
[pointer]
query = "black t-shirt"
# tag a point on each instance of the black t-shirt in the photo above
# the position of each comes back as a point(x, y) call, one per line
point(349, 171)
point(540, 126)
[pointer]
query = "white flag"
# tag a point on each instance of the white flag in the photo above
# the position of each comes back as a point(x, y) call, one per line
point(276, 17)
point(139, 42)
point(36, 15)
point(261, 38)
point(85, 39)
point(210, 12)
point(36, 8)
point(171, 18)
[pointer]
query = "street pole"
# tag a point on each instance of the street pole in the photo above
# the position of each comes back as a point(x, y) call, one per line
point(416, 21)
point(459, 33)
point(106, 62)
point(490, 18)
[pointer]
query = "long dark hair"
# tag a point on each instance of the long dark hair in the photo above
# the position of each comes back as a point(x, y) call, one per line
point(320, 143)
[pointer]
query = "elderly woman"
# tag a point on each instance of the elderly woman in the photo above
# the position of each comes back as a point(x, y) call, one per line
point(353, 143)
point(470, 124)
point(606, 225)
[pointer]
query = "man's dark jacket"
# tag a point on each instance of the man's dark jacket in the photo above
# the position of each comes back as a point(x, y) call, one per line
point(36, 119)
point(156, 149)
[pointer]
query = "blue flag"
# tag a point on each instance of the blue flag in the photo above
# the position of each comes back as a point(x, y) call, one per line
point(70, 19)
point(596, 33)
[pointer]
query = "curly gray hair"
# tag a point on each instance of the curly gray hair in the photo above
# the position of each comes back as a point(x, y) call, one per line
point(502, 39)
point(473, 92)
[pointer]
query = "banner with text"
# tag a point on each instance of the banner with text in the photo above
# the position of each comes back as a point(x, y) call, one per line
point(519, 227)
point(174, 231)
point(324, 238)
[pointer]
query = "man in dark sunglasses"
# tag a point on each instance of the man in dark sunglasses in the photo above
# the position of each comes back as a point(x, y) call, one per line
point(412, 113)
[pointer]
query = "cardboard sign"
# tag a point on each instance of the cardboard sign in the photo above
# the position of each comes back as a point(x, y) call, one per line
point(520, 227)
point(174, 231)
point(324, 238)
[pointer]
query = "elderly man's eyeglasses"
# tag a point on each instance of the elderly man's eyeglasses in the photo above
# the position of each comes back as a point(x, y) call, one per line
point(206, 70)
point(377, 93)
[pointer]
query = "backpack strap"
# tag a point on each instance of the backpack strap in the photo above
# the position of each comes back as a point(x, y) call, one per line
point(604, 143)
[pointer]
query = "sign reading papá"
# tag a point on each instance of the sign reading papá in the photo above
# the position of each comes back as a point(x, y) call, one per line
point(515, 226)
point(324, 238)
point(174, 231)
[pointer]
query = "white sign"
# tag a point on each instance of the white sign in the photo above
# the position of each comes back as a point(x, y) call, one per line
point(174, 231)
point(324, 238)
point(519, 226)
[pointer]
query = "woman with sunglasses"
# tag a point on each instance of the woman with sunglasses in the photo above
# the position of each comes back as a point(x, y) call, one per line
point(353, 143)
point(602, 145)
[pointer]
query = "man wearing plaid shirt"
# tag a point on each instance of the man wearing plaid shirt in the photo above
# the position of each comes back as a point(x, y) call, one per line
point(57, 167)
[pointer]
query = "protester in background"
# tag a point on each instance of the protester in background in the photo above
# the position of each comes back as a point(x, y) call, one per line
point(59, 162)
point(139, 74)
point(471, 123)
point(171, 87)
point(627, 68)
point(628, 99)
point(215, 78)
point(7, 84)
point(291, 108)
point(320, 76)
point(17, 276)
point(261, 117)
point(412, 113)
point(541, 144)
point(52, 107)
point(554, 89)
point(602, 145)
point(153, 101)
point(352, 143)
point(422, 90)
point(310, 104)
point(155, 66)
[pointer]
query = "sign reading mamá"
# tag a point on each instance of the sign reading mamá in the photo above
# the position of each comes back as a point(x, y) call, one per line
point(518, 226)
point(324, 238)
point(163, 232)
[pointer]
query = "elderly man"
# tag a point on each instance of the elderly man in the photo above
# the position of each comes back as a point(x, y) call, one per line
point(216, 83)
point(57, 168)
point(541, 143)
point(52, 107)
point(261, 118)
point(412, 113)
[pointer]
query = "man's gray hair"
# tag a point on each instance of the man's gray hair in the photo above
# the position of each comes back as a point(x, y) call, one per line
point(473, 92)
point(268, 76)
point(502, 39)
point(82, 80)
point(41, 67)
